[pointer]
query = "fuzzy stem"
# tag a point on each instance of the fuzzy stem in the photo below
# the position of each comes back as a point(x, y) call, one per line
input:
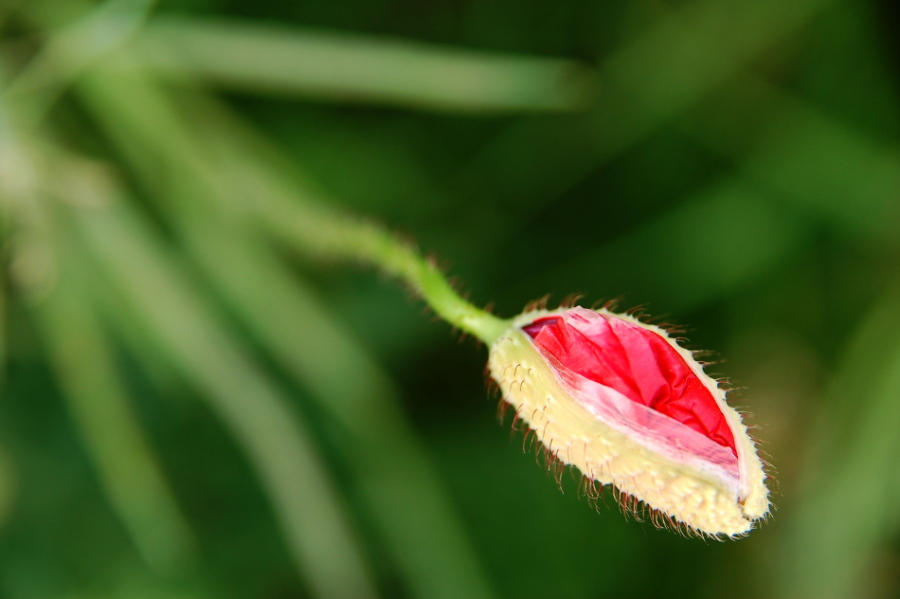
point(331, 234)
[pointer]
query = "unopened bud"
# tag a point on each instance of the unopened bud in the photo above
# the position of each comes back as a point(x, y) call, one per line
point(621, 401)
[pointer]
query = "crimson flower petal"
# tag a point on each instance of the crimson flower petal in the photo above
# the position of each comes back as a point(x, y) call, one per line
point(636, 362)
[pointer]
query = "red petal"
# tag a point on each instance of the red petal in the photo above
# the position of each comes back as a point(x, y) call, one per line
point(635, 361)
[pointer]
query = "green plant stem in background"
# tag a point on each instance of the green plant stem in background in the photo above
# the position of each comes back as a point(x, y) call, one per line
point(403, 494)
point(207, 198)
point(69, 51)
point(361, 68)
point(98, 402)
point(292, 472)
point(101, 408)
point(846, 511)
point(279, 447)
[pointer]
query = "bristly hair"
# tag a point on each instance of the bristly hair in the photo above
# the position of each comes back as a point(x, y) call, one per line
point(594, 492)
point(538, 304)
point(611, 305)
point(571, 300)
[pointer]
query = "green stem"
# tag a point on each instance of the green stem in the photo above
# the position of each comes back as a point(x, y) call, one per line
point(331, 234)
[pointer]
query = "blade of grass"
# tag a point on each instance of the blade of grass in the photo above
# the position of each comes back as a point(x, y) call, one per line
point(397, 481)
point(361, 68)
point(4, 293)
point(100, 407)
point(97, 399)
point(70, 51)
point(254, 409)
point(846, 511)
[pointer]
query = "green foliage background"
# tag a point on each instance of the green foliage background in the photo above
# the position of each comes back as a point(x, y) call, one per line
point(197, 403)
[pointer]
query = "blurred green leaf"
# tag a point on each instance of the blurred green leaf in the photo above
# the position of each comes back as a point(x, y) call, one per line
point(303, 496)
point(360, 68)
point(397, 481)
point(47, 275)
point(70, 50)
point(847, 512)
point(109, 428)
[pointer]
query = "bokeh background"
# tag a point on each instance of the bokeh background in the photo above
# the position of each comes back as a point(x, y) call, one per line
point(197, 403)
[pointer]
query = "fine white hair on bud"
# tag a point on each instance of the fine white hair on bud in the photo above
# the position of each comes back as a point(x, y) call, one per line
point(621, 401)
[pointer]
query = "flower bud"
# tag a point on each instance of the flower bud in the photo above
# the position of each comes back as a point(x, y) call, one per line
point(625, 404)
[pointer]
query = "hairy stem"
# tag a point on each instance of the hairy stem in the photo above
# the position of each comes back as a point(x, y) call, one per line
point(331, 234)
